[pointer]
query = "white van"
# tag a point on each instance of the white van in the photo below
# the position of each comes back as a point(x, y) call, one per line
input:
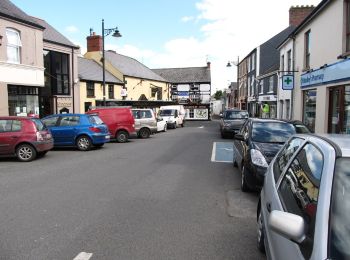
point(174, 115)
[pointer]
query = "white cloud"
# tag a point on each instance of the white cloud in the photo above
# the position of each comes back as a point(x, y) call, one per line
point(71, 29)
point(186, 19)
point(231, 29)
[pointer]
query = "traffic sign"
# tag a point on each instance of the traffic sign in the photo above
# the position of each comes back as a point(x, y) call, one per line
point(287, 82)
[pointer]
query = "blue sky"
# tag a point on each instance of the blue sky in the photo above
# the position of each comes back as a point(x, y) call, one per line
point(172, 33)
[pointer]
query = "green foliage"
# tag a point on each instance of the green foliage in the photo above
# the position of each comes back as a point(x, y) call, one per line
point(218, 94)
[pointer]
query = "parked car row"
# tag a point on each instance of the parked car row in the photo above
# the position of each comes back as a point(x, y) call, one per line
point(304, 184)
point(29, 137)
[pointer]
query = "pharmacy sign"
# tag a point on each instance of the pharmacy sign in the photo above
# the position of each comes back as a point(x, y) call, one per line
point(287, 82)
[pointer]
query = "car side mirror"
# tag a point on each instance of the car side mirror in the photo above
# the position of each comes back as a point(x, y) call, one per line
point(288, 225)
point(239, 137)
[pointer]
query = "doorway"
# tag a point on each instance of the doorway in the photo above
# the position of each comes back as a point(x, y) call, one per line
point(339, 110)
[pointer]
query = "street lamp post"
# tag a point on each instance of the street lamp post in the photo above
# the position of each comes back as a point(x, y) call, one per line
point(236, 63)
point(106, 32)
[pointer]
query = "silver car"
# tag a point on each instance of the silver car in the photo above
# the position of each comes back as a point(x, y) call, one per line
point(304, 206)
point(145, 122)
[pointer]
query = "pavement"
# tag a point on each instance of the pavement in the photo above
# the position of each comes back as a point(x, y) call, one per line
point(157, 198)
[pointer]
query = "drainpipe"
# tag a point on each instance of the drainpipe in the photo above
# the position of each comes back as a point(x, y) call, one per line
point(73, 80)
point(291, 115)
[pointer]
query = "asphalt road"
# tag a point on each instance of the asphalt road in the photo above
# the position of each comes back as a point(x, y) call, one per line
point(159, 198)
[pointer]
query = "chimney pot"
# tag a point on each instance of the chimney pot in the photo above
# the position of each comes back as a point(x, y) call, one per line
point(298, 13)
point(94, 42)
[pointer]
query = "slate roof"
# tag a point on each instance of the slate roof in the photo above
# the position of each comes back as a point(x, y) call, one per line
point(131, 67)
point(91, 70)
point(52, 35)
point(185, 75)
point(269, 54)
point(9, 10)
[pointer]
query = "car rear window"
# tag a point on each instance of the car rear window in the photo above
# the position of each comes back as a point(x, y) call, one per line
point(272, 132)
point(40, 126)
point(339, 239)
point(236, 115)
point(95, 119)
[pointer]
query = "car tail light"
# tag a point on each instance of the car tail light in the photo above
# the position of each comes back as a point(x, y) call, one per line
point(95, 129)
point(39, 137)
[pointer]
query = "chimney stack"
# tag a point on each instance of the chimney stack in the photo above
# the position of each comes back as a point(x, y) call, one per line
point(208, 65)
point(94, 42)
point(298, 13)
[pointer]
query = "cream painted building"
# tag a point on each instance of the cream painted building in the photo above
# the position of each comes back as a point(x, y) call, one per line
point(141, 83)
point(21, 61)
point(322, 81)
point(91, 87)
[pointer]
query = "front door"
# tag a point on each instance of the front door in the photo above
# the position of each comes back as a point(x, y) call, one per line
point(46, 106)
point(339, 110)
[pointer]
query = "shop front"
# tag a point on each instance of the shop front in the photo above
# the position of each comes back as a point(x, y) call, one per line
point(326, 95)
point(271, 102)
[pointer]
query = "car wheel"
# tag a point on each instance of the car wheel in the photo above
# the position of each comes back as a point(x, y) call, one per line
point(244, 186)
point(165, 128)
point(122, 136)
point(26, 153)
point(84, 143)
point(260, 238)
point(144, 133)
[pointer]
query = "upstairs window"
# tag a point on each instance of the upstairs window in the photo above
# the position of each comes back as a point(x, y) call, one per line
point(289, 61)
point(282, 64)
point(347, 3)
point(90, 89)
point(271, 84)
point(13, 46)
point(307, 49)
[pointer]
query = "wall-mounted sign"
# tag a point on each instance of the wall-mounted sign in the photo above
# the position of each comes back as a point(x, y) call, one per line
point(287, 82)
point(336, 72)
point(64, 102)
point(123, 92)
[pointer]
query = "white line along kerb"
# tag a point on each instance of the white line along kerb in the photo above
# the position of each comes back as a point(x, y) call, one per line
point(83, 256)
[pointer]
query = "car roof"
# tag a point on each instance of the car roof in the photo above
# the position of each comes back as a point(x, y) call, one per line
point(342, 142)
point(254, 119)
point(16, 117)
point(68, 114)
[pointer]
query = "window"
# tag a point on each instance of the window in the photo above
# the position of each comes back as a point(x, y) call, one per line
point(111, 91)
point(10, 126)
point(271, 84)
point(299, 191)
point(253, 61)
point(191, 113)
point(57, 72)
point(51, 121)
point(287, 109)
point(261, 86)
point(339, 238)
point(309, 116)
point(90, 89)
point(69, 120)
point(282, 65)
point(272, 132)
point(289, 61)
point(307, 50)
point(13, 46)
point(281, 109)
point(284, 156)
point(154, 92)
point(347, 25)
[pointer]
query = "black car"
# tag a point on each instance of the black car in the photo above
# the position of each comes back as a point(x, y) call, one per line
point(231, 121)
point(257, 143)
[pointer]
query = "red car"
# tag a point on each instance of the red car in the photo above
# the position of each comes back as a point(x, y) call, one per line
point(24, 137)
point(120, 121)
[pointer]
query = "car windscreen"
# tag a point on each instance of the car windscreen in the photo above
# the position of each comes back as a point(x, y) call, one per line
point(95, 119)
point(167, 112)
point(339, 238)
point(40, 126)
point(236, 115)
point(272, 132)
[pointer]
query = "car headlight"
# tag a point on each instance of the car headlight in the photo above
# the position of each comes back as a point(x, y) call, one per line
point(257, 158)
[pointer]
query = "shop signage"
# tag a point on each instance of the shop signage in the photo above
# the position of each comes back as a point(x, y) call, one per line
point(64, 102)
point(268, 98)
point(287, 82)
point(336, 72)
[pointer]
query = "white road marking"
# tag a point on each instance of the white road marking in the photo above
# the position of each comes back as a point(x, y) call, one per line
point(201, 127)
point(213, 152)
point(83, 256)
point(226, 149)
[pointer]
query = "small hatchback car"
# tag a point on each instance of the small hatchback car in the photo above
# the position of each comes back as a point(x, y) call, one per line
point(145, 122)
point(24, 137)
point(81, 130)
point(304, 206)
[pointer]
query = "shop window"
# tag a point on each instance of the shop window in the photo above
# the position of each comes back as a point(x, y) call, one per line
point(22, 100)
point(309, 116)
point(13, 46)
point(191, 113)
point(87, 106)
point(307, 50)
point(111, 91)
point(90, 89)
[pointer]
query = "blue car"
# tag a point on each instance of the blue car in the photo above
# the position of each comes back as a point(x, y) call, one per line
point(80, 130)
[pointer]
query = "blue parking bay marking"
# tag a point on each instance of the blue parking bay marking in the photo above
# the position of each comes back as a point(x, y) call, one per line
point(222, 152)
